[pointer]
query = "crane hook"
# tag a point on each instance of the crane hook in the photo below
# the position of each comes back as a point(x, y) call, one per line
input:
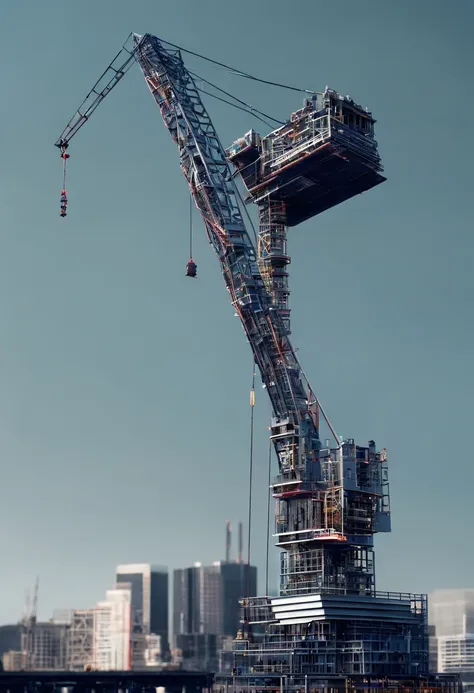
point(64, 157)
point(191, 267)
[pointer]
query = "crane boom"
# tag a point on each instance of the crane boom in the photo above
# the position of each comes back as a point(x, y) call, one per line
point(109, 79)
point(204, 164)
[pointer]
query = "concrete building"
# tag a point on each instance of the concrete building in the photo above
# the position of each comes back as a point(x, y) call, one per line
point(12, 660)
point(451, 617)
point(49, 646)
point(153, 654)
point(112, 638)
point(149, 598)
point(113, 635)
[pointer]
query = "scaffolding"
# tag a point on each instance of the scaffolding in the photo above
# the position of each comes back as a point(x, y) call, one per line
point(48, 647)
point(81, 650)
point(273, 257)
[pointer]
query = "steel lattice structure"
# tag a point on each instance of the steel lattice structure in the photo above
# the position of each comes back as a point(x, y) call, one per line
point(204, 164)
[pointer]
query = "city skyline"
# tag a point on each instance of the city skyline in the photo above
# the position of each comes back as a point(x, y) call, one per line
point(451, 613)
point(136, 621)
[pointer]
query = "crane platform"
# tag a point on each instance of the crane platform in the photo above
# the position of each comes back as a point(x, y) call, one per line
point(324, 155)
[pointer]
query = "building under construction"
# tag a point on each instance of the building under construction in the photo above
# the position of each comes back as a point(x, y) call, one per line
point(329, 629)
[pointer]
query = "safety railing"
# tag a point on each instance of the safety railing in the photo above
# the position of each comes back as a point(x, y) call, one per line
point(318, 131)
point(417, 601)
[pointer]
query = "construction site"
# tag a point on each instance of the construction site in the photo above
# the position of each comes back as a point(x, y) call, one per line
point(329, 629)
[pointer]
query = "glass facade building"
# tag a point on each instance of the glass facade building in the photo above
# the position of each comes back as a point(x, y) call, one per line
point(149, 598)
point(451, 617)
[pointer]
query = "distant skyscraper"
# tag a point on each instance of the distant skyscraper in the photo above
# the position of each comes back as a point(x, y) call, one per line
point(206, 609)
point(197, 600)
point(206, 598)
point(149, 598)
point(451, 615)
point(113, 631)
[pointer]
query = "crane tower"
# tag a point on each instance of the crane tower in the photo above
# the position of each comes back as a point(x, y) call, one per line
point(329, 628)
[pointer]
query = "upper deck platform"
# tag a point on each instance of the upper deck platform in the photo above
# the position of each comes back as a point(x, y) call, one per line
point(323, 156)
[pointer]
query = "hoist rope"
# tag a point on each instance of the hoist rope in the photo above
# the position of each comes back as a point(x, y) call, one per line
point(190, 226)
point(64, 157)
point(268, 516)
point(252, 410)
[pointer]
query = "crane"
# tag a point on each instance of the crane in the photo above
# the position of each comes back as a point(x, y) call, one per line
point(29, 624)
point(324, 154)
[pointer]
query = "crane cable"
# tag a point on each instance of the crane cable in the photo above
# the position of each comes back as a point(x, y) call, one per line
point(63, 201)
point(190, 226)
point(268, 516)
point(252, 410)
point(247, 107)
point(234, 105)
point(239, 73)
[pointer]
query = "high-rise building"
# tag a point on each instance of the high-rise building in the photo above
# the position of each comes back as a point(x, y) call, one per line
point(113, 631)
point(206, 605)
point(206, 598)
point(149, 598)
point(451, 617)
point(116, 634)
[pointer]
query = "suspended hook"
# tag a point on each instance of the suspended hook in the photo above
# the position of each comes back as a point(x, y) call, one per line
point(191, 267)
point(64, 156)
point(63, 203)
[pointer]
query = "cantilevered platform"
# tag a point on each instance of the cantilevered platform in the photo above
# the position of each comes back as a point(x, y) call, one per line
point(324, 155)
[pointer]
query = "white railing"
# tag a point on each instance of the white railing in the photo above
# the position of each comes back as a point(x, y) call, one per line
point(320, 130)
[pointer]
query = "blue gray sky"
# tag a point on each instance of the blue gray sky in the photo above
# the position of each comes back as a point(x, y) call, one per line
point(124, 386)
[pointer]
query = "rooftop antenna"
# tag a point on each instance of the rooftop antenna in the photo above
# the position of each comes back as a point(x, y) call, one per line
point(228, 541)
point(241, 543)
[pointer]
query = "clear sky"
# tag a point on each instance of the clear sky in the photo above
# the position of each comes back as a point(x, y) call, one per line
point(124, 386)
